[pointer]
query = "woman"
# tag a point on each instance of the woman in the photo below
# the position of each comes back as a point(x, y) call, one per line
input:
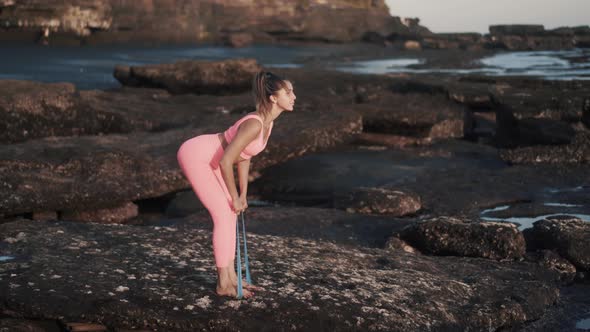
point(208, 162)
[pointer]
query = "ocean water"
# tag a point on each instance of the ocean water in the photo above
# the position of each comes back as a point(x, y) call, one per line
point(92, 67)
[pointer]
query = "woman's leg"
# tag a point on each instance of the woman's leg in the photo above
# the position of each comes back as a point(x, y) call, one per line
point(213, 196)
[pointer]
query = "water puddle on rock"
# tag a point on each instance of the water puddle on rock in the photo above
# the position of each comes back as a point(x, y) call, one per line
point(550, 202)
point(6, 258)
point(527, 222)
point(583, 324)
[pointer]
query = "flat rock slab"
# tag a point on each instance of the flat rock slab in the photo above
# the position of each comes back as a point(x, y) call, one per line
point(378, 201)
point(163, 278)
point(69, 173)
point(577, 152)
point(451, 178)
point(453, 236)
point(199, 77)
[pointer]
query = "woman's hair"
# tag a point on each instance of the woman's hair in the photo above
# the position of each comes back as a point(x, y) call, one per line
point(266, 84)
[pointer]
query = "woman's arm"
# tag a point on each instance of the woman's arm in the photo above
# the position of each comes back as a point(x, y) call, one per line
point(247, 132)
point(243, 170)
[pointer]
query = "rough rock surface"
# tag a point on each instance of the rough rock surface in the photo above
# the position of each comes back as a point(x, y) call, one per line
point(199, 77)
point(108, 21)
point(68, 173)
point(111, 215)
point(570, 237)
point(378, 201)
point(450, 177)
point(163, 277)
point(452, 236)
point(577, 152)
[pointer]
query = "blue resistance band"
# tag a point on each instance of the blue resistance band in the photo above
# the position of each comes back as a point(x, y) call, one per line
point(239, 260)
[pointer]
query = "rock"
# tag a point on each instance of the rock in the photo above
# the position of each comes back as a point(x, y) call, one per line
point(570, 237)
point(95, 172)
point(164, 277)
point(26, 325)
point(586, 113)
point(378, 201)
point(387, 140)
point(473, 173)
point(196, 21)
point(553, 262)
point(412, 45)
point(576, 152)
point(450, 236)
point(199, 77)
point(30, 110)
point(516, 29)
point(183, 204)
point(114, 215)
point(414, 115)
point(396, 244)
point(45, 215)
point(240, 39)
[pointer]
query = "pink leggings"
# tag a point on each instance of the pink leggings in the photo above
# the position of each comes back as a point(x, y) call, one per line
point(199, 159)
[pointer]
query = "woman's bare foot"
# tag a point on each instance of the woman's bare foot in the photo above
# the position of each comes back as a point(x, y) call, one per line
point(226, 285)
point(233, 292)
point(234, 280)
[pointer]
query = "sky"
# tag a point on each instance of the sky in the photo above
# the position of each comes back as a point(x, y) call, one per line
point(478, 15)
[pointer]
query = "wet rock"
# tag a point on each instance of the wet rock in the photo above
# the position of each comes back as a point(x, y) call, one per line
point(576, 152)
point(474, 173)
point(95, 172)
point(163, 278)
point(415, 115)
point(396, 244)
point(199, 77)
point(388, 140)
point(570, 237)
point(378, 201)
point(586, 113)
point(552, 261)
point(451, 236)
point(113, 215)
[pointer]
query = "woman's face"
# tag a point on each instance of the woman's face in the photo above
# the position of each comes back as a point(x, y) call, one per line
point(285, 98)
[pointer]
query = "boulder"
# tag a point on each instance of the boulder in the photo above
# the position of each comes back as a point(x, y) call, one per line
point(570, 237)
point(198, 77)
point(378, 201)
point(451, 236)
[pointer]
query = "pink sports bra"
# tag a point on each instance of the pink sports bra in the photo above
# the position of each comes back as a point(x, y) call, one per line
point(257, 145)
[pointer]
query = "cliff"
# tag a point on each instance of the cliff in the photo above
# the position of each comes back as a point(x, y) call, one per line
point(105, 21)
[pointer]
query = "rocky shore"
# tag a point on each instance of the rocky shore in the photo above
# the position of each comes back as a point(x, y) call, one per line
point(242, 23)
point(372, 205)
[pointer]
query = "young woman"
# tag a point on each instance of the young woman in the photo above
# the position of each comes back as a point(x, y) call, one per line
point(208, 162)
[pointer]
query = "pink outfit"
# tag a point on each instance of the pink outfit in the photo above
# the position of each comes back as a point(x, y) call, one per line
point(199, 159)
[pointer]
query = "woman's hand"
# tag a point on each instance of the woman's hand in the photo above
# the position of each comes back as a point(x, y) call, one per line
point(240, 204)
